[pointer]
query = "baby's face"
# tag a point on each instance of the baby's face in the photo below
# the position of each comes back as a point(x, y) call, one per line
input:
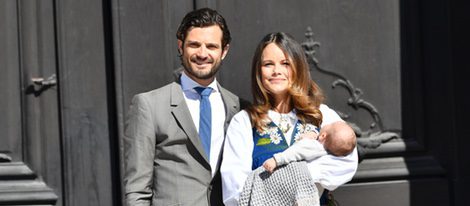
point(322, 137)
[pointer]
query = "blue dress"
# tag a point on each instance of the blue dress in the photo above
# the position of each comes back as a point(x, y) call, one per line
point(271, 140)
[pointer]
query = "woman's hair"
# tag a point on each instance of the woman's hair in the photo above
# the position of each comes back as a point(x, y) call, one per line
point(304, 94)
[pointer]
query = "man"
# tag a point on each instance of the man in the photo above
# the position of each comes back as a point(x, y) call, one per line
point(174, 134)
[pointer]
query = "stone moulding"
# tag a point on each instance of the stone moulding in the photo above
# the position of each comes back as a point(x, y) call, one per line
point(19, 185)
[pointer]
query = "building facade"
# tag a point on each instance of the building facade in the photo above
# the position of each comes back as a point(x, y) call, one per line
point(395, 69)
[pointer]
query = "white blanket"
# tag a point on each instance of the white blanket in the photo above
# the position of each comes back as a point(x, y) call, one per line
point(287, 185)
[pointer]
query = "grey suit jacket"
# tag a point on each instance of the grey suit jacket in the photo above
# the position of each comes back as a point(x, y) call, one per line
point(164, 160)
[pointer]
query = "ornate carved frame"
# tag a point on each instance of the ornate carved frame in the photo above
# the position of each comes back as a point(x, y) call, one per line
point(380, 158)
point(368, 139)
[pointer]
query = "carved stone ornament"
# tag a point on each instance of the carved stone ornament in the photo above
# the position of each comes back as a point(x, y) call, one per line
point(4, 158)
point(370, 138)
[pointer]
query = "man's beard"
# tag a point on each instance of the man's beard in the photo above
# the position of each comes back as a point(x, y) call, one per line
point(201, 74)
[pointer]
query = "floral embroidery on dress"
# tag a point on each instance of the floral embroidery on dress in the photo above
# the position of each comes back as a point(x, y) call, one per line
point(297, 137)
point(272, 132)
point(284, 124)
point(311, 128)
point(275, 138)
point(300, 128)
point(305, 128)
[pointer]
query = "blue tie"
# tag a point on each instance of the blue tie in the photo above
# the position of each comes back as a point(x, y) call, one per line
point(205, 118)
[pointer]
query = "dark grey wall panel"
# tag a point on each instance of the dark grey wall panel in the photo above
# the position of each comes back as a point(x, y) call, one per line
point(10, 103)
point(30, 128)
point(145, 44)
point(40, 103)
point(359, 39)
point(393, 193)
point(461, 43)
point(84, 103)
point(444, 66)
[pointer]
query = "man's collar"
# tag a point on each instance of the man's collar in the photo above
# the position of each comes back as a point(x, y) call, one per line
point(189, 84)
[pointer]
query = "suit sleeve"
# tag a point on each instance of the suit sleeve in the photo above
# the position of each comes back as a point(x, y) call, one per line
point(139, 151)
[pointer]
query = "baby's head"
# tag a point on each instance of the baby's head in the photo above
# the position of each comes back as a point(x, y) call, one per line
point(338, 138)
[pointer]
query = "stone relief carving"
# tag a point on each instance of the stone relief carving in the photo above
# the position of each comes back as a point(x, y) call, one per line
point(370, 138)
point(4, 158)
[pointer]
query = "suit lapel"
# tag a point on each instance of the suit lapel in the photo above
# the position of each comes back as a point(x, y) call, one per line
point(232, 105)
point(182, 115)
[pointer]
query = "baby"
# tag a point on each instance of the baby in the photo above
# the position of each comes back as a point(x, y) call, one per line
point(336, 138)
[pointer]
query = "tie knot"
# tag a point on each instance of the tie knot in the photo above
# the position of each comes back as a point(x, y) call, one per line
point(203, 91)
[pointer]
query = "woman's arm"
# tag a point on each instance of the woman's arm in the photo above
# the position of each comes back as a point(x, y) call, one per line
point(237, 157)
point(331, 171)
point(304, 149)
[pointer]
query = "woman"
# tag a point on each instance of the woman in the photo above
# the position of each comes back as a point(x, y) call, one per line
point(284, 99)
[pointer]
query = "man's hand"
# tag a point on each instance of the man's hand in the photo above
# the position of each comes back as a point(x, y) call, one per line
point(270, 165)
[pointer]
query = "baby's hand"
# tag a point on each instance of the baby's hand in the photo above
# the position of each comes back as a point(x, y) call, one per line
point(270, 165)
point(309, 135)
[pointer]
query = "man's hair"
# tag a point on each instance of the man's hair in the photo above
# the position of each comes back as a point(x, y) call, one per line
point(203, 18)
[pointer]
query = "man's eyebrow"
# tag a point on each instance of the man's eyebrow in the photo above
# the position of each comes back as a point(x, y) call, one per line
point(193, 42)
point(213, 44)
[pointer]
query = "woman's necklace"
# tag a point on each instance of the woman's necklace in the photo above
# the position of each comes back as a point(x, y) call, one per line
point(284, 123)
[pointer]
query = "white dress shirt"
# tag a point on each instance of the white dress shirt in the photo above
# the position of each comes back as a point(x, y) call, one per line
point(217, 110)
point(327, 171)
